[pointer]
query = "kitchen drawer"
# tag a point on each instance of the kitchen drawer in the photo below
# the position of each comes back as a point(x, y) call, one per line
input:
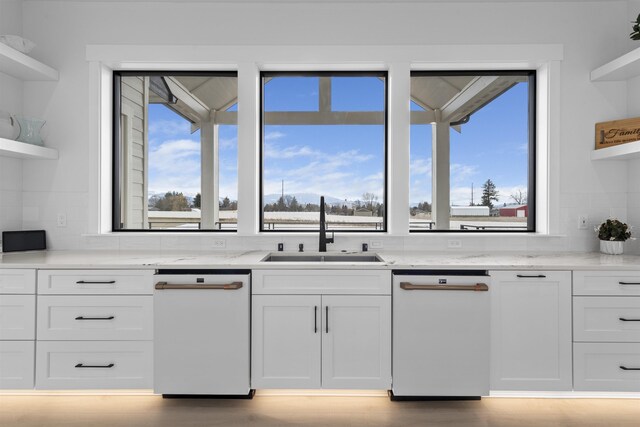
point(369, 282)
point(78, 365)
point(71, 317)
point(16, 364)
point(598, 366)
point(106, 282)
point(17, 281)
point(609, 319)
point(17, 317)
point(606, 283)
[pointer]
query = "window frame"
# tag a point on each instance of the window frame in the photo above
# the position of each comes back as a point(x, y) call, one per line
point(324, 73)
point(116, 146)
point(532, 76)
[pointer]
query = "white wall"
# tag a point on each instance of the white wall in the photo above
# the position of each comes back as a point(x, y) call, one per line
point(10, 102)
point(589, 31)
point(633, 167)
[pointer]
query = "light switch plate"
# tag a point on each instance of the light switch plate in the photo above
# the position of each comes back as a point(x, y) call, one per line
point(583, 222)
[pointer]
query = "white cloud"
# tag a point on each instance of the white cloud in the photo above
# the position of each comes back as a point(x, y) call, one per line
point(421, 167)
point(275, 152)
point(330, 175)
point(274, 135)
point(175, 166)
point(461, 173)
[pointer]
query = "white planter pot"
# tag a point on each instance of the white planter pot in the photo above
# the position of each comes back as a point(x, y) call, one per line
point(611, 247)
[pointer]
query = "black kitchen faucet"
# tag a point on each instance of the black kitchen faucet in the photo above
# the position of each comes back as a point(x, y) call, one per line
point(323, 229)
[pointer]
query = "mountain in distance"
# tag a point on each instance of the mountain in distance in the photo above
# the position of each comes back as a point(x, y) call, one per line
point(305, 198)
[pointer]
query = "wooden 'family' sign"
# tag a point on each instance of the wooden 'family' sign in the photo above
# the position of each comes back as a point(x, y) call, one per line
point(617, 132)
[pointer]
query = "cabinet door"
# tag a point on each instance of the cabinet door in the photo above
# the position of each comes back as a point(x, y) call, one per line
point(356, 342)
point(531, 330)
point(17, 317)
point(286, 341)
point(17, 361)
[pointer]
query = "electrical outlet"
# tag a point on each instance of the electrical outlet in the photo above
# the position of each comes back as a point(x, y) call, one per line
point(61, 220)
point(454, 244)
point(376, 244)
point(219, 243)
point(583, 221)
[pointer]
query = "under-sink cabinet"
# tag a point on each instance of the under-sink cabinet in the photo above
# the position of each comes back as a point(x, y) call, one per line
point(326, 339)
point(531, 331)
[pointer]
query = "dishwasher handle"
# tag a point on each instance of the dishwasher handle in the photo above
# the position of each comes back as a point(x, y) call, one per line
point(478, 287)
point(226, 286)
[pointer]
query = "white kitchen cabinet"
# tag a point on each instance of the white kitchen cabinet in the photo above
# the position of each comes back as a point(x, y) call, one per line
point(95, 317)
point(17, 317)
point(17, 359)
point(17, 281)
point(531, 331)
point(78, 365)
point(94, 329)
point(95, 282)
point(17, 328)
point(606, 331)
point(328, 341)
point(286, 341)
point(607, 367)
point(356, 342)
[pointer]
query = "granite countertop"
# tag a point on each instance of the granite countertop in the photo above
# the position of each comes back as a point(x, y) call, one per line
point(251, 259)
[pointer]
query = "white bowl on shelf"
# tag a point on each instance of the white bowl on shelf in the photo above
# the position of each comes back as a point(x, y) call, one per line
point(18, 43)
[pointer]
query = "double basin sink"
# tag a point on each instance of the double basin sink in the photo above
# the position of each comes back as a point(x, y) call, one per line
point(314, 258)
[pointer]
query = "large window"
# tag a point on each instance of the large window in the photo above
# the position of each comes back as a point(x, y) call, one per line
point(323, 134)
point(175, 151)
point(472, 151)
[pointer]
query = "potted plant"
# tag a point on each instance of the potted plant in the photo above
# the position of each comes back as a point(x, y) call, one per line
point(612, 234)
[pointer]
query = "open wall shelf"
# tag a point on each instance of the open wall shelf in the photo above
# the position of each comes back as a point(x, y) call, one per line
point(622, 68)
point(22, 150)
point(630, 150)
point(24, 67)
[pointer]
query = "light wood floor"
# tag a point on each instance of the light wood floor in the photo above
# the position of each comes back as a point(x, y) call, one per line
point(116, 411)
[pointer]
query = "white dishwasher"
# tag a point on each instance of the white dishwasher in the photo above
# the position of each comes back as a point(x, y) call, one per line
point(202, 333)
point(441, 334)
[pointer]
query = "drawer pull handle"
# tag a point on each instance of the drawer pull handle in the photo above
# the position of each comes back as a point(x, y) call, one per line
point(95, 282)
point(629, 283)
point(82, 365)
point(228, 286)
point(315, 319)
point(629, 320)
point(478, 287)
point(536, 276)
point(624, 368)
point(95, 318)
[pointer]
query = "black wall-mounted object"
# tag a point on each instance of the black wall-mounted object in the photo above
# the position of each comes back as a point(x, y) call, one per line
point(30, 240)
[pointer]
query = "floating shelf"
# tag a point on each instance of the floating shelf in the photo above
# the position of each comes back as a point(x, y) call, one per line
point(24, 67)
point(22, 150)
point(622, 68)
point(630, 150)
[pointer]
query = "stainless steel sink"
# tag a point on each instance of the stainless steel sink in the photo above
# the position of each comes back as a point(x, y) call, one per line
point(276, 257)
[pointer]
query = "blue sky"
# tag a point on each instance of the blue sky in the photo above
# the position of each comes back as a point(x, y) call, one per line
point(341, 161)
point(344, 161)
point(174, 155)
point(492, 145)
